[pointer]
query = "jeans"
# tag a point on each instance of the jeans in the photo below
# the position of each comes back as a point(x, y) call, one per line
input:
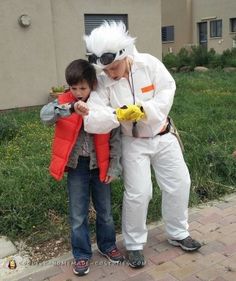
point(81, 183)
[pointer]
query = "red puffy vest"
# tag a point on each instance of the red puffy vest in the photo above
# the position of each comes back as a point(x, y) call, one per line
point(66, 133)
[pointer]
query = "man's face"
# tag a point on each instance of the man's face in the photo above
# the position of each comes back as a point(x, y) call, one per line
point(117, 69)
point(81, 91)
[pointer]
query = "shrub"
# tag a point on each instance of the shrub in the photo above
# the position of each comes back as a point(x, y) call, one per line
point(228, 57)
point(8, 128)
point(183, 58)
point(170, 60)
point(199, 56)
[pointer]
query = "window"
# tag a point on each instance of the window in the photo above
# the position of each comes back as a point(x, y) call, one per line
point(233, 25)
point(216, 28)
point(92, 21)
point(167, 33)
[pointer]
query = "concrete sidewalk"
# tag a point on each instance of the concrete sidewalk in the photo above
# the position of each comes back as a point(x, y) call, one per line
point(214, 225)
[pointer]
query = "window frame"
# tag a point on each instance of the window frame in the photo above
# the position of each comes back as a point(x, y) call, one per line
point(92, 21)
point(215, 30)
point(232, 25)
point(169, 35)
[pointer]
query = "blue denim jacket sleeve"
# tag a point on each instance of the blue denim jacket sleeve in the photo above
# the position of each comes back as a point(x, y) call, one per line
point(52, 111)
point(115, 167)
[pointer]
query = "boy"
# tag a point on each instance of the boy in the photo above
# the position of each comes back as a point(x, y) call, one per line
point(92, 161)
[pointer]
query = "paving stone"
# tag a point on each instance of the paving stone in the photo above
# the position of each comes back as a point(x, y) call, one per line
point(133, 272)
point(230, 264)
point(194, 217)
point(229, 276)
point(7, 247)
point(230, 219)
point(162, 270)
point(187, 271)
point(141, 277)
point(224, 205)
point(210, 227)
point(42, 275)
point(228, 229)
point(213, 246)
point(219, 279)
point(211, 273)
point(166, 256)
point(168, 277)
point(229, 250)
point(212, 217)
point(188, 258)
point(208, 210)
point(194, 225)
point(191, 278)
point(227, 239)
point(229, 211)
point(163, 246)
point(211, 259)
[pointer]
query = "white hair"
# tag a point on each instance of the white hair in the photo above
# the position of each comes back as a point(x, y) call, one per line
point(109, 37)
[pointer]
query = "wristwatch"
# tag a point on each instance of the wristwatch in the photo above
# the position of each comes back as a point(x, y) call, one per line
point(71, 107)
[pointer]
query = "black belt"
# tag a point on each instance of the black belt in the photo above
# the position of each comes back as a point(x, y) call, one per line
point(166, 130)
point(135, 133)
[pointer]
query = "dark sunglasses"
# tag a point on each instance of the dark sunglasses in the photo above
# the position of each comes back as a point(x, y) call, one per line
point(105, 58)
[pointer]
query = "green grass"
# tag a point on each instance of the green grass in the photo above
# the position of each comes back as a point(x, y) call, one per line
point(205, 113)
point(35, 207)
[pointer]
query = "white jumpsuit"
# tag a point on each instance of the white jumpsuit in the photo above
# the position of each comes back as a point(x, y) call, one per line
point(154, 89)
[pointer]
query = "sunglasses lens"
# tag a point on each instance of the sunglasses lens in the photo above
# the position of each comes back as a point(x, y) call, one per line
point(92, 59)
point(107, 58)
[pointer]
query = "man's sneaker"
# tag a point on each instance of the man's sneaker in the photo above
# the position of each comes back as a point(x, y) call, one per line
point(81, 267)
point(113, 256)
point(187, 244)
point(136, 259)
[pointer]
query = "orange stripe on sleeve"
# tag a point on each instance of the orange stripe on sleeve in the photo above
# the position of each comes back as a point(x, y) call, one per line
point(148, 88)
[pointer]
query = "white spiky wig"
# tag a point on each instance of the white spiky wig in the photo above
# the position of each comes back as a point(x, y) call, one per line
point(110, 37)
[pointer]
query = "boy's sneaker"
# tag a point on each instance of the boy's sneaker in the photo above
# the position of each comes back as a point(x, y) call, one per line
point(113, 256)
point(136, 258)
point(81, 267)
point(187, 244)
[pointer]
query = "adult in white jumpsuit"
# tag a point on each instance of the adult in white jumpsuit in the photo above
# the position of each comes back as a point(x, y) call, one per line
point(129, 78)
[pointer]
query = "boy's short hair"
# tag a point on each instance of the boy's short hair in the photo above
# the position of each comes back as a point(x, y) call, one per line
point(79, 70)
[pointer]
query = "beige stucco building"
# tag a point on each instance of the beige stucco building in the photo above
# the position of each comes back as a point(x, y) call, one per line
point(38, 38)
point(36, 47)
point(210, 23)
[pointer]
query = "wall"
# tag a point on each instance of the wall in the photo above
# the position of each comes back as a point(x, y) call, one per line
point(27, 55)
point(179, 14)
point(33, 59)
point(221, 9)
point(144, 22)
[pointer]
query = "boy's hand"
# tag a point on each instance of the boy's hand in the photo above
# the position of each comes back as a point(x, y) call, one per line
point(81, 108)
point(130, 113)
point(109, 179)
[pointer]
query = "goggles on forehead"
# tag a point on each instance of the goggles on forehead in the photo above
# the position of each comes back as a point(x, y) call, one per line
point(106, 58)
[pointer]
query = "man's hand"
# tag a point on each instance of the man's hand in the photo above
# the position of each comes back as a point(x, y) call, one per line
point(81, 108)
point(130, 113)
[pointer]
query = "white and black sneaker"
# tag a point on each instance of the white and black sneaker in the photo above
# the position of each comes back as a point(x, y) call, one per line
point(187, 244)
point(136, 259)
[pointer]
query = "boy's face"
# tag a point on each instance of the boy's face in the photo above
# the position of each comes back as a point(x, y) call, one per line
point(117, 69)
point(81, 91)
